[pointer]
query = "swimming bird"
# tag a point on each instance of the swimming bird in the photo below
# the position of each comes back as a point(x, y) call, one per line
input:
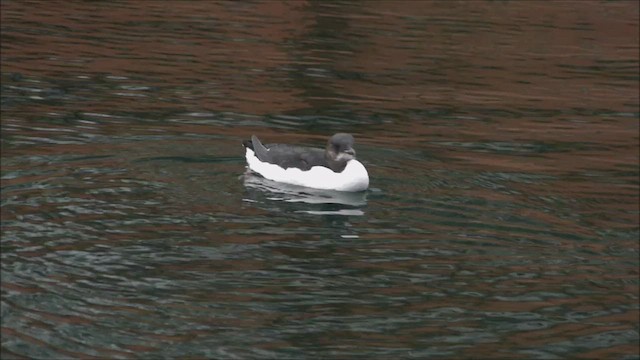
point(334, 168)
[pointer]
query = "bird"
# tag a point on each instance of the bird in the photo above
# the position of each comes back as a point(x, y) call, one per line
point(333, 168)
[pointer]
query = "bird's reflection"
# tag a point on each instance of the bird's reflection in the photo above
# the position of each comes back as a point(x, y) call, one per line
point(325, 202)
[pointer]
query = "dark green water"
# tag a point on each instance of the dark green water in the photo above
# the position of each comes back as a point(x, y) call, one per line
point(501, 139)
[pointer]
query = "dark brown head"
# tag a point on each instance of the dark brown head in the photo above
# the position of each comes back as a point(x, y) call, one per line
point(339, 151)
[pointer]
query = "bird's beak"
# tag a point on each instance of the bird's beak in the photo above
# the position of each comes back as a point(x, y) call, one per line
point(350, 151)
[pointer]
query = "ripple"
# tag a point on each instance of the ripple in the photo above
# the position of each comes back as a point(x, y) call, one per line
point(502, 218)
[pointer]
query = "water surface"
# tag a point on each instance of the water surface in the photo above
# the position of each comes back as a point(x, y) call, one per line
point(501, 138)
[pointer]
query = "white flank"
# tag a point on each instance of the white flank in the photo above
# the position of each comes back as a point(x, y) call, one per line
point(354, 177)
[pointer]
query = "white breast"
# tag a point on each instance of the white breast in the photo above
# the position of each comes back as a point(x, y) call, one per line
point(354, 177)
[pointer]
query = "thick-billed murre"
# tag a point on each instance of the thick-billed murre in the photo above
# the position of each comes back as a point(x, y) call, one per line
point(334, 168)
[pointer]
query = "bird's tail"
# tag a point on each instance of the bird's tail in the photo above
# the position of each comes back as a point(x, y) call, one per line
point(248, 144)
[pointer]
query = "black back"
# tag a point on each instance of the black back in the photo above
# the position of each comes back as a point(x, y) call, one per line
point(289, 156)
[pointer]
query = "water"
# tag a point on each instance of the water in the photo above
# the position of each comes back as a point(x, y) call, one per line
point(501, 139)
